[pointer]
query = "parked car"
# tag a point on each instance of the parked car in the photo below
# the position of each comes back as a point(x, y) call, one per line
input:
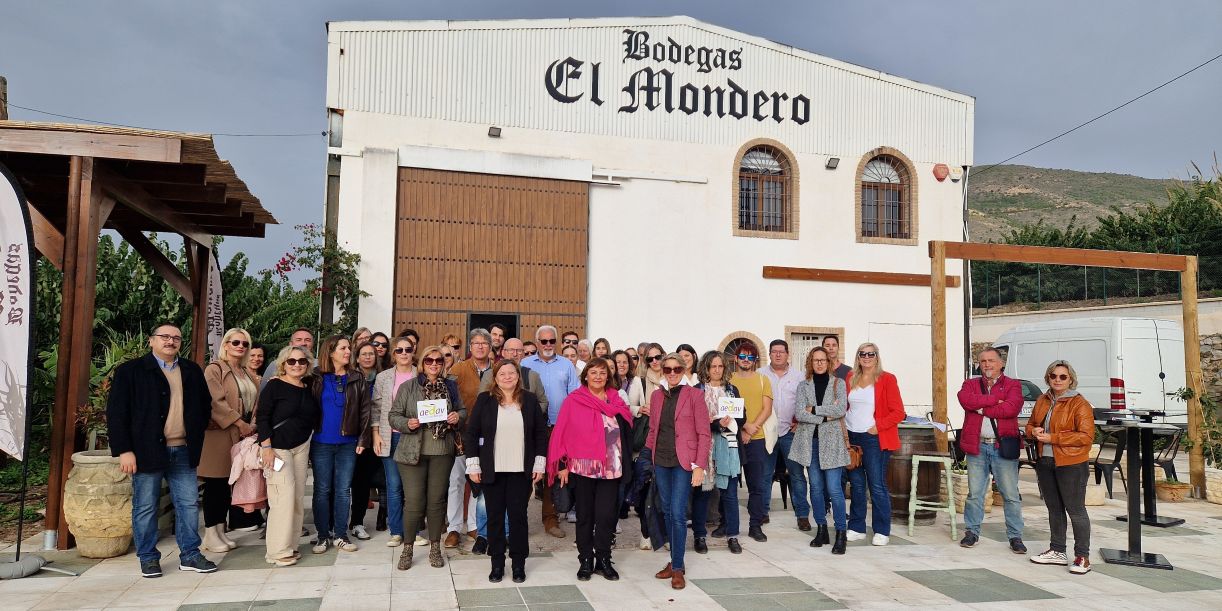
point(1031, 392)
point(1124, 365)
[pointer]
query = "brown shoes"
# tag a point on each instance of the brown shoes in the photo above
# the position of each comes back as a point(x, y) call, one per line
point(554, 530)
point(451, 539)
point(472, 534)
point(665, 573)
point(676, 579)
point(803, 524)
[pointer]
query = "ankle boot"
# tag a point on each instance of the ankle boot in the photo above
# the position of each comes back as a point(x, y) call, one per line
point(841, 542)
point(405, 557)
point(820, 537)
point(220, 531)
point(436, 558)
point(603, 567)
point(213, 542)
point(585, 569)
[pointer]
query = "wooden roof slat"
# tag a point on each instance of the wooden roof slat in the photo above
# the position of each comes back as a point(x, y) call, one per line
point(89, 144)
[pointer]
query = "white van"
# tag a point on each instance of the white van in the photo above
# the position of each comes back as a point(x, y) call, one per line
point(1134, 364)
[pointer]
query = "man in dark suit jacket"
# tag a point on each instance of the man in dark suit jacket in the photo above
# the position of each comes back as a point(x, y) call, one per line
point(158, 409)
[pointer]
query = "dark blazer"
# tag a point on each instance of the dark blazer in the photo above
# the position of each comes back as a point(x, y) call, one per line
point(139, 404)
point(481, 432)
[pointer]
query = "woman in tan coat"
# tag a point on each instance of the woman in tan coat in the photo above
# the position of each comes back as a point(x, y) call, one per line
point(234, 392)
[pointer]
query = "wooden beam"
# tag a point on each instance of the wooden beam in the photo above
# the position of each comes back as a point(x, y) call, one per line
point(1012, 253)
point(47, 238)
point(1192, 374)
point(110, 146)
point(162, 264)
point(193, 174)
point(135, 197)
point(212, 192)
point(937, 331)
point(844, 275)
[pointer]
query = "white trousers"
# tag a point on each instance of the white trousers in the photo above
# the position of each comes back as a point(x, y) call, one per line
point(456, 498)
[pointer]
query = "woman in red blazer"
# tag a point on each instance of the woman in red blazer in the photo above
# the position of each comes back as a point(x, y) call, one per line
point(679, 440)
point(875, 411)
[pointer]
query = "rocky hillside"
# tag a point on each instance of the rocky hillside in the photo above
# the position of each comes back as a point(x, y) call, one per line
point(1008, 196)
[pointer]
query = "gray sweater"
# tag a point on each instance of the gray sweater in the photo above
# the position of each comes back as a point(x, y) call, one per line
point(827, 419)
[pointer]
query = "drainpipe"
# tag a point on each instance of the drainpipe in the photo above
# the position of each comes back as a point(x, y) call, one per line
point(967, 283)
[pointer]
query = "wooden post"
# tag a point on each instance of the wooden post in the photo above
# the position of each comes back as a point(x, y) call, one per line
point(1192, 371)
point(937, 328)
point(199, 259)
point(3, 99)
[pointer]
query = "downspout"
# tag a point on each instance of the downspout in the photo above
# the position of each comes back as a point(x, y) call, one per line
point(967, 283)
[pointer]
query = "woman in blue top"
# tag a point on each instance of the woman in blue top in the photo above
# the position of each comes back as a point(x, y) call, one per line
point(341, 433)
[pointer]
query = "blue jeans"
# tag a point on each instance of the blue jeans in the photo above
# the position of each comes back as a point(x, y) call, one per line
point(674, 487)
point(754, 455)
point(333, 464)
point(818, 494)
point(872, 474)
point(729, 508)
point(394, 489)
point(1005, 475)
point(797, 477)
point(146, 494)
point(833, 480)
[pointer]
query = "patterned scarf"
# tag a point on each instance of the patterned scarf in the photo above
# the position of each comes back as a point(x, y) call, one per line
point(438, 390)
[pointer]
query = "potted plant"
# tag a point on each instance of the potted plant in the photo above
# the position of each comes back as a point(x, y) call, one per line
point(1211, 443)
point(1172, 490)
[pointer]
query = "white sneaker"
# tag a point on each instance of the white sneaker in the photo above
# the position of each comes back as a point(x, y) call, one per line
point(395, 541)
point(618, 529)
point(344, 545)
point(1080, 566)
point(645, 544)
point(359, 532)
point(572, 517)
point(1051, 557)
point(880, 539)
point(854, 535)
point(321, 546)
point(421, 541)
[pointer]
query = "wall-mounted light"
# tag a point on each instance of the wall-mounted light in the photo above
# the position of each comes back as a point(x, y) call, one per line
point(494, 132)
point(832, 162)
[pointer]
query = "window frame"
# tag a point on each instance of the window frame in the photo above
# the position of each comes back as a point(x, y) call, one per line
point(911, 187)
point(789, 180)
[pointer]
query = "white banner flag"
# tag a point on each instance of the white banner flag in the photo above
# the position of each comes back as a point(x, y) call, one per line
point(16, 314)
point(215, 309)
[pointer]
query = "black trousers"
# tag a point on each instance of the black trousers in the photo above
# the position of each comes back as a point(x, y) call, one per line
point(215, 500)
point(1064, 490)
point(508, 492)
point(597, 503)
point(367, 465)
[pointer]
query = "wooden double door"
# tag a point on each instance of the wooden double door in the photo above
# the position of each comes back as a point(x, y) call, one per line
point(480, 246)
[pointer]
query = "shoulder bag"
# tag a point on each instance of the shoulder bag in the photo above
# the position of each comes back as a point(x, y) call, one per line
point(640, 424)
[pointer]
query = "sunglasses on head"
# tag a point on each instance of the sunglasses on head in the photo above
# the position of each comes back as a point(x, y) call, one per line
point(297, 362)
point(1058, 376)
point(750, 358)
point(378, 344)
point(548, 342)
point(652, 358)
point(407, 350)
point(671, 370)
point(239, 342)
point(432, 360)
point(867, 355)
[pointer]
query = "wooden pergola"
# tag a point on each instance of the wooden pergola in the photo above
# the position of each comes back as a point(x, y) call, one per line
point(1186, 265)
point(81, 179)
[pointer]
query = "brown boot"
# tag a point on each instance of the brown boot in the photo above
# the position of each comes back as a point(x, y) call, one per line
point(436, 559)
point(676, 579)
point(405, 558)
point(665, 573)
point(452, 539)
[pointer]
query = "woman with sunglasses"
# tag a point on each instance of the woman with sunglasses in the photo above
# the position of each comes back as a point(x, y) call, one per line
point(679, 441)
point(385, 389)
point(648, 379)
point(756, 391)
point(342, 393)
point(426, 451)
point(875, 411)
point(367, 463)
point(1062, 423)
point(818, 444)
point(285, 420)
point(234, 392)
point(381, 343)
point(454, 344)
point(588, 446)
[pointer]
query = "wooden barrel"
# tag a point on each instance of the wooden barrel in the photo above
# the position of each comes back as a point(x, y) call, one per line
point(914, 439)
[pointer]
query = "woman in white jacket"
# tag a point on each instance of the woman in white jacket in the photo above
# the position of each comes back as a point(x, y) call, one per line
point(385, 387)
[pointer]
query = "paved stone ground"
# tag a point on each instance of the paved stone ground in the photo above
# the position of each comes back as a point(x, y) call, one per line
point(927, 569)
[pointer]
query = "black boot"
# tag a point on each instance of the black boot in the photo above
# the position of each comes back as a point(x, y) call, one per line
point(820, 537)
point(519, 571)
point(702, 546)
point(585, 569)
point(757, 533)
point(841, 541)
point(603, 567)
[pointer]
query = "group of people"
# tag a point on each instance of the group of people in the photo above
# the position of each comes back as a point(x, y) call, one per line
point(459, 442)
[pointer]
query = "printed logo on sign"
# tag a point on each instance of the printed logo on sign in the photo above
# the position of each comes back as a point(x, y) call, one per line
point(653, 88)
point(10, 295)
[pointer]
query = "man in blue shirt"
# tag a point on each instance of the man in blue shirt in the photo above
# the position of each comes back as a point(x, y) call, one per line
point(559, 379)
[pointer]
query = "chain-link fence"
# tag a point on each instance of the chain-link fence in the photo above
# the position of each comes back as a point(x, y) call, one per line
point(1022, 286)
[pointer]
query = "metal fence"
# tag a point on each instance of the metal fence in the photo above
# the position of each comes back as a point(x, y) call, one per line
point(1027, 286)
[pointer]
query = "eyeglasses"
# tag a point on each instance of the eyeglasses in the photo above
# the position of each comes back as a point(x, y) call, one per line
point(671, 370)
point(455, 347)
point(634, 357)
point(173, 339)
point(474, 344)
point(548, 342)
point(378, 344)
point(867, 355)
point(407, 350)
point(1058, 376)
point(570, 342)
point(750, 358)
point(238, 342)
point(301, 362)
point(819, 361)
point(432, 360)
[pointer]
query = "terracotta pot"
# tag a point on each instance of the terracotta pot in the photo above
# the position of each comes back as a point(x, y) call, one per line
point(98, 505)
point(1172, 492)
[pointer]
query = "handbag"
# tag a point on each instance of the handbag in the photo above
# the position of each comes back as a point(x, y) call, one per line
point(562, 497)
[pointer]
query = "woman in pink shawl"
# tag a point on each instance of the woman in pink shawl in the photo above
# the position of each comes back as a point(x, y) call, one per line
point(587, 450)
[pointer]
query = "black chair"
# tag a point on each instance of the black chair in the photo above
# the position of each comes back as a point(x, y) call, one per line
point(1166, 457)
point(1113, 445)
point(781, 476)
point(1031, 456)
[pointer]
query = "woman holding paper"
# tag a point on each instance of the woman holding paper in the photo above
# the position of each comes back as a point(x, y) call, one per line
point(819, 444)
point(727, 464)
point(285, 420)
point(679, 440)
point(427, 412)
point(875, 411)
point(510, 432)
point(588, 446)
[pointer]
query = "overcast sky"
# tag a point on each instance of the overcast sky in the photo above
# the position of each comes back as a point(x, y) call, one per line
point(1035, 68)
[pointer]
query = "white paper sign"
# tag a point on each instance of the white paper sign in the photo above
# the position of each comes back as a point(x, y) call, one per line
point(731, 406)
point(435, 410)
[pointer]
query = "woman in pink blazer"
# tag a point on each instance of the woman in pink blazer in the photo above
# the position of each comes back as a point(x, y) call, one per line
point(680, 439)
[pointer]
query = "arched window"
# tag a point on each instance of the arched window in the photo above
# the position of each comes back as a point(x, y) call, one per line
point(765, 189)
point(886, 202)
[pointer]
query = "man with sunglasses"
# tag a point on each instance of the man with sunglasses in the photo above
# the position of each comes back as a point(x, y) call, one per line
point(559, 378)
point(158, 409)
point(529, 349)
point(991, 404)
